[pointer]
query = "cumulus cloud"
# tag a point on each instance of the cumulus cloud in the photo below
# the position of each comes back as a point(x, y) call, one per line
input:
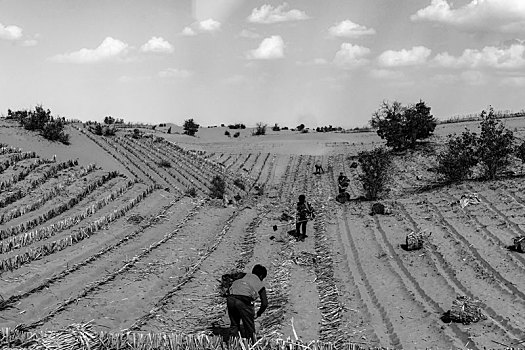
point(175, 73)
point(109, 50)
point(512, 57)
point(351, 56)
point(205, 26)
point(10, 32)
point(270, 48)
point(314, 62)
point(157, 45)
point(415, 56)
point(268, 14)
point(386, 74)
point(349, 29)
point(488, 15)
point(245, 33)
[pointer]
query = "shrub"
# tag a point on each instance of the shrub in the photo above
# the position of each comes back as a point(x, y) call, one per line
point(164, 163)
point(304, 131)
point(237, 134)
point(400, 126)
point(375, 168)
point(53, 130)
point(136, 134)
point(455, 163)
point(109, 131)
point(190, 127)
point(260, 129)
point(239, 183)
point(191, 192)
point(276, 127)
point(169, 130)
point(227, 133)
point(109, 120)
point(41, 120)
point(495, 145)
point(300, 127)
point(218, 187)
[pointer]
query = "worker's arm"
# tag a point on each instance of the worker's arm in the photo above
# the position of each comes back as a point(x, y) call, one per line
point(264, 302)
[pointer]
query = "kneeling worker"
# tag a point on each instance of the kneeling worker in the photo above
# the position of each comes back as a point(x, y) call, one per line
point(243, 292)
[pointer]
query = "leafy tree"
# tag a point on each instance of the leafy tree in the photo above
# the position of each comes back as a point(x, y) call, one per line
point(495, 145)
point(375, 171)
point(456, 161)
point(300, 127)
point(169, 130)
point(190, 127)
point(260, 129)
point(401, 126)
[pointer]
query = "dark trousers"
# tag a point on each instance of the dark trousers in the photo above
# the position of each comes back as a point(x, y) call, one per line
point(239, 310)
point(300, 225)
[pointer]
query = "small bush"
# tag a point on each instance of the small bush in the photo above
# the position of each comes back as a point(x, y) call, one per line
point(136, 134)
point(164, 163)
point(191, 192)
point(276, 127)
point(237, 134)
point(218, 187)
point(239, 183)
point(375, 168)
point(227, 133)
point(260, 129)
point(259, 189)
point(456, 161)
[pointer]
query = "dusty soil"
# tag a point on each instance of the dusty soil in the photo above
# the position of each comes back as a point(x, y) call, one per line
point(158, 267)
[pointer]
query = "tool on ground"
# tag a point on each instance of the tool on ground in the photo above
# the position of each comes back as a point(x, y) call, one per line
point(288, 223)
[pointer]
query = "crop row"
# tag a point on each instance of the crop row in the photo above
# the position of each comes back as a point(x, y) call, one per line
point(41, 198)
point(27, 238)
point(14, 178)
point(108, 278)
point(71, 202)
point(85, 232)
point(15, 158)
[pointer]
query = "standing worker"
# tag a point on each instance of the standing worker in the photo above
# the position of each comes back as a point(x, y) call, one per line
point(243, 293)
point(304, 213)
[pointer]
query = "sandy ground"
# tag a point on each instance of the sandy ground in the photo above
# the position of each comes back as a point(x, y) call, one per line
point(350, 281)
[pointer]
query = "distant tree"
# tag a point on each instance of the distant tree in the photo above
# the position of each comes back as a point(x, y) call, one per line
point(190, 127)
point(300, 127)
point(169, 130)
point(109, 120)
point(227, 133)
point(402, 126)
point(237, 134)
point(276, 127)
point(136, 134)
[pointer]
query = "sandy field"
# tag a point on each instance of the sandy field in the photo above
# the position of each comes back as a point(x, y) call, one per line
point(133, 251)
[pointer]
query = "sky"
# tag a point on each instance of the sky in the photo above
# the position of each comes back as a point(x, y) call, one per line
point(316, 62)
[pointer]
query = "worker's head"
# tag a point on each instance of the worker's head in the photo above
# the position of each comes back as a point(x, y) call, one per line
point(302, 198)
point(260, 271)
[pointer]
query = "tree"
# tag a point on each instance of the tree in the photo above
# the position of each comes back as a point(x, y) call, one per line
point(109, 120)
point(260, 129)
point(169, 130)
point(300, 127)
point(276, 127)
point(456, 161)
point(401, 126)
point(495, 145)
point(190, 127)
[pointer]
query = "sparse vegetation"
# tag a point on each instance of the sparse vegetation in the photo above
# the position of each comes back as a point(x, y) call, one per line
point(375, 171)
point(41, 120)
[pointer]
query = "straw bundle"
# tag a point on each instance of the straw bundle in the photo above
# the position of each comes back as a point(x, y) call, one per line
point(519, 244)
point(466, 310)
point(415, 240)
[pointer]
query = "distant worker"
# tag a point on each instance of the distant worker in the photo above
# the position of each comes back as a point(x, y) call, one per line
point(304, 213)
point(319, 167)
point(243, 293)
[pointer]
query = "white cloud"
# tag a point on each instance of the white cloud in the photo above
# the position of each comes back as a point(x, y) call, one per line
point(350, 56)
point(268, 14)
point(270, 48)
point(109, 50)
point(205, 26)
point(187, 31)
point(512, 57)
point(314, 62)
point(157, 45)
point(10, 32)
point(415, 56)
point(349, 29)
point(245, 33)
point(488, 15)
point(175, 73)
point(386, 74)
